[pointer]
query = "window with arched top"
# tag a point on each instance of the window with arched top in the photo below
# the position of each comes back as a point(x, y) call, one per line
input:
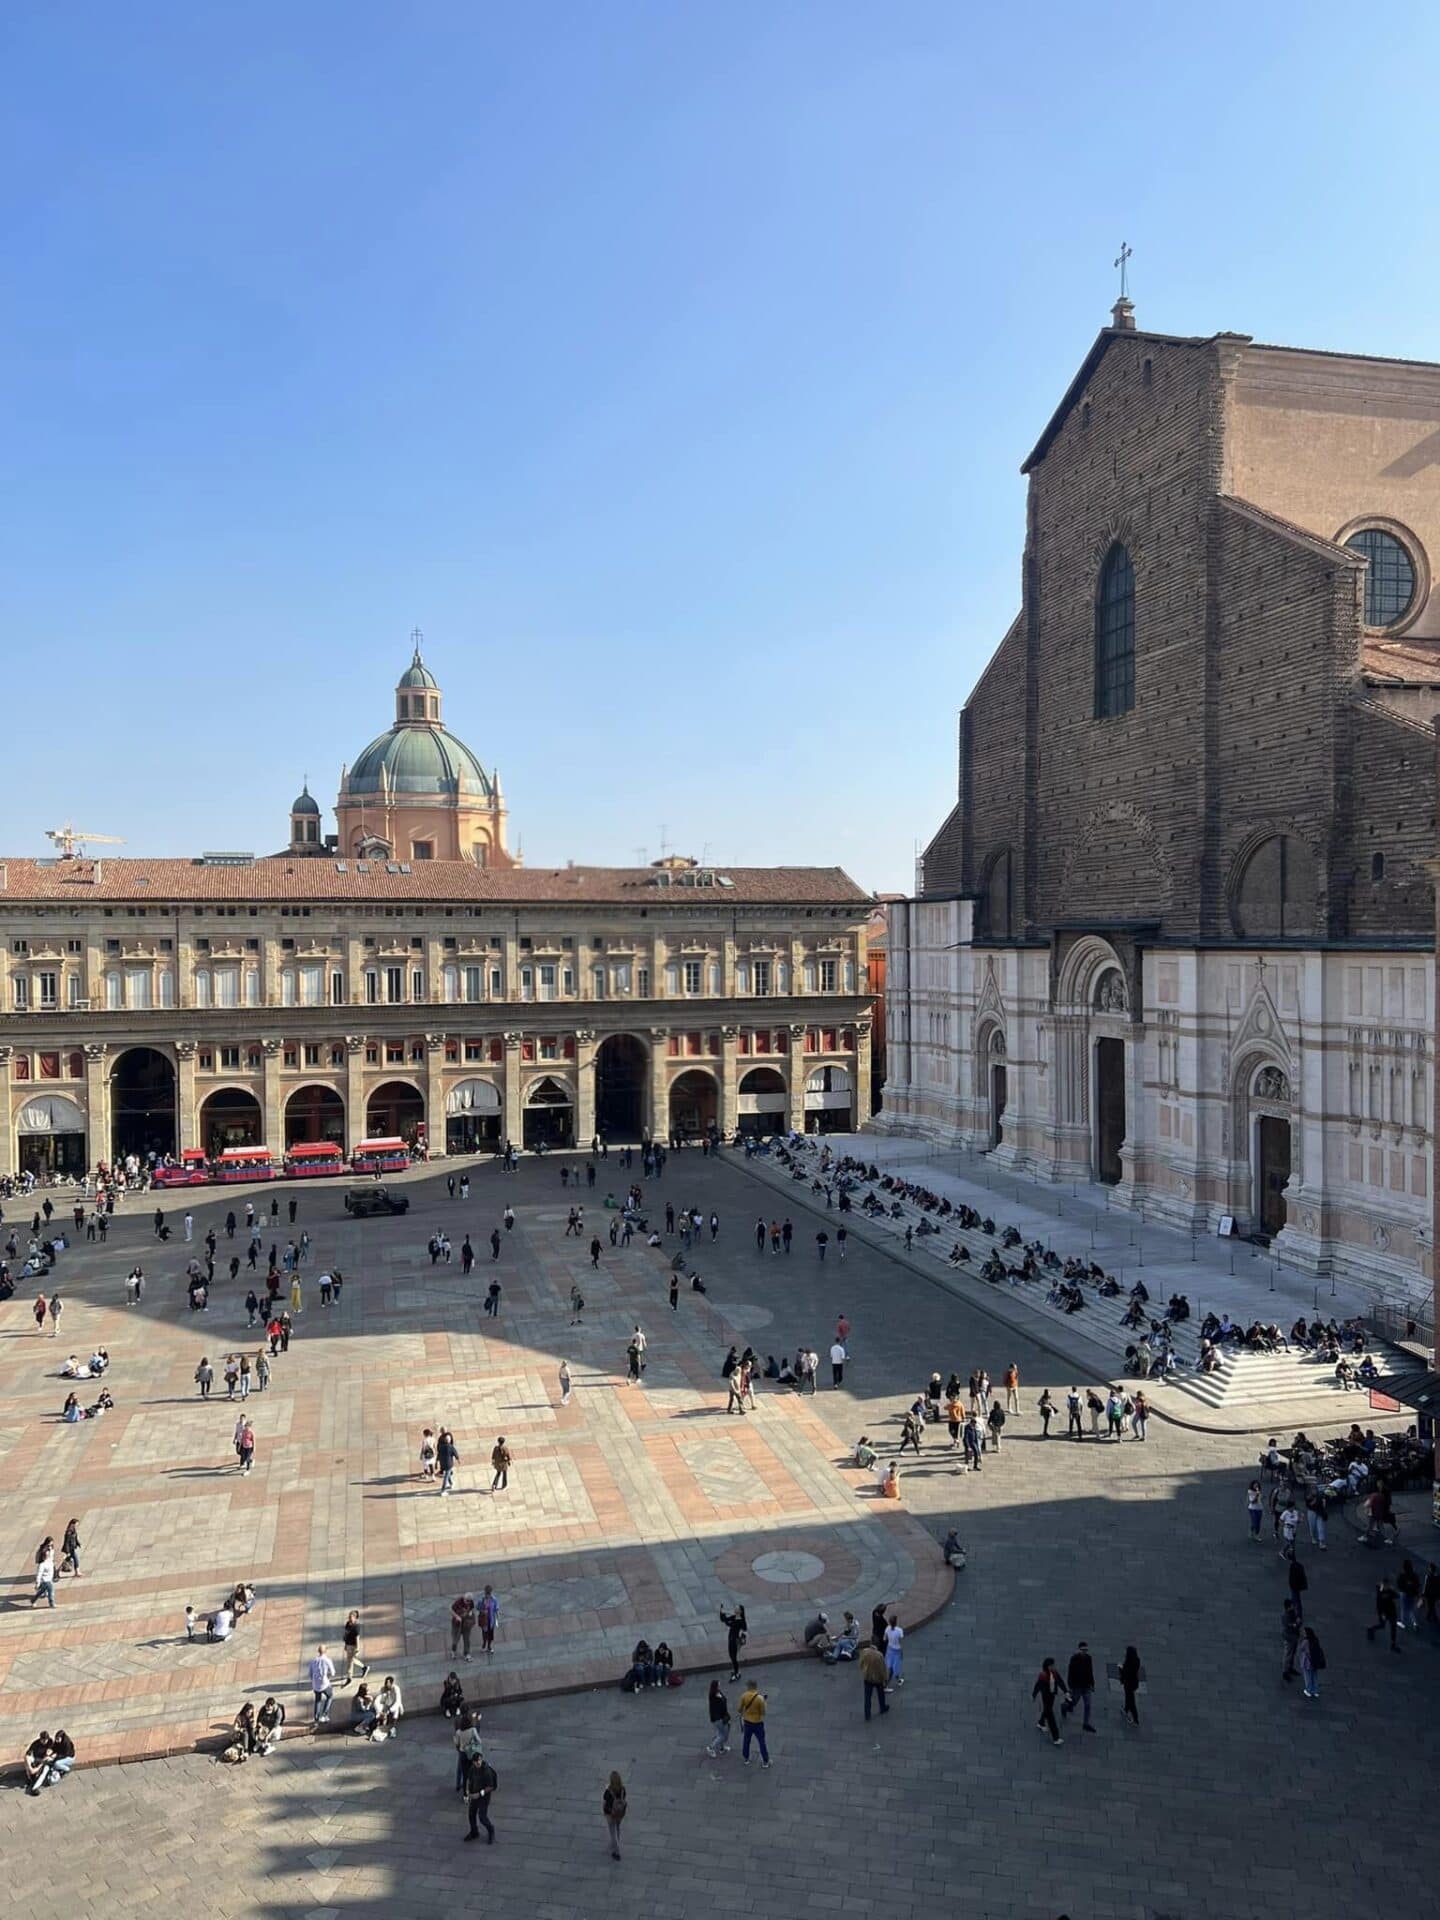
point(1274, 891)
point(1115, 636)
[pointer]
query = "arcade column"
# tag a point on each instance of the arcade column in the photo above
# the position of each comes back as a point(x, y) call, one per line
point(435, 1094)
point(584, 1088)
point(729, 1080)
point(795, 1114)
point(185, 1135)
point(513, 1123)
point(659, 1083)
point(97, 1102)
point(274, 1136)
point(354, 1090)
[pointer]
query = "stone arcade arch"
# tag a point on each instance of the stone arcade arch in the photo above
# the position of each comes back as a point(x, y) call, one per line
point(622, 1076)
point(762, 1101)
point(142, 1103)
point(230, 1117)
point(694, 1104)
point(549, 1113)
point(474, 1113)
point(395, 1108)
point(314, 1113)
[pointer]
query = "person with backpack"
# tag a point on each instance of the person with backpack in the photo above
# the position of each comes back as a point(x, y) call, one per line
point(1312, 1663)
point(481, 1780)
point(616, 1807)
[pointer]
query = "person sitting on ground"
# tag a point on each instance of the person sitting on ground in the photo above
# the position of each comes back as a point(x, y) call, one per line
point(70, 1412)
point(817, 1634)
point(1368, 1371)
point(99, 1361)
point(787, 1375)
point(890, 1484)
point(1109, 1287)
point(1344, 1373)
point(642, 1667)
point(845, 1641)
point(362, 1710)
point(72, 1370)
point(664, 1664)
point(269, 1723)
point(242, 1599)
point(243, 1726)
point(388, 1709)
point(102, 1405)
point(772, 1370)
point(959, 1254)
point(452, 1696)
point(864, 1454)
point(953, 1551)
point(1209, 1356)
point(38, 1756)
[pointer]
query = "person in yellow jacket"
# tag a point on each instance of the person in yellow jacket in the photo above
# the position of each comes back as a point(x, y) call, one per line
point(752, 1724)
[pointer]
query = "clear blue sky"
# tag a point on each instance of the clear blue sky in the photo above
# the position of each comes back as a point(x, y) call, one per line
point(669, 365)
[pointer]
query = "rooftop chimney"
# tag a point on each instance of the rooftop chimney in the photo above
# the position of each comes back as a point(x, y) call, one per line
point(1122, 315)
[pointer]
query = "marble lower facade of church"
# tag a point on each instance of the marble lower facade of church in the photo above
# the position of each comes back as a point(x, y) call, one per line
point(1285, 1089)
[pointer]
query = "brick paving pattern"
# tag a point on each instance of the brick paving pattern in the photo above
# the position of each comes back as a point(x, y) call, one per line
point(631, 1510)
point(1235, 1800)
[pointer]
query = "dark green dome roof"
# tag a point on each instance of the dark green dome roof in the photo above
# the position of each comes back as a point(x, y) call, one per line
point(418, 759)
point(417, 674)
point(307, 803)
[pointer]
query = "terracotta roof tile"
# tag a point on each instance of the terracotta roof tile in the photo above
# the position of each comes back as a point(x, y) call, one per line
point(286, 879)
point(1398, 662)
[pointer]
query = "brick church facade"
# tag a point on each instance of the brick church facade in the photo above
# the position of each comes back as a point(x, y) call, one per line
point(1177, 933)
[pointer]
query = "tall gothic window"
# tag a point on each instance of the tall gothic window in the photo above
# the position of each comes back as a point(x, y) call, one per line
point(1115, 636)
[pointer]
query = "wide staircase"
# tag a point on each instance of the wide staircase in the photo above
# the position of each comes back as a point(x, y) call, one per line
point(1241, 1379)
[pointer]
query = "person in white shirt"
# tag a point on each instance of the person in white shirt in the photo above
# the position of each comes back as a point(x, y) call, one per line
point(388, 1709)
point(894, 1652)
point(221, 1624)
point(322, 1684)
point(837, 1364)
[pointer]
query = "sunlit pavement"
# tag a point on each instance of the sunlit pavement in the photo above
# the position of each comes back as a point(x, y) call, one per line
point(1235, 1797)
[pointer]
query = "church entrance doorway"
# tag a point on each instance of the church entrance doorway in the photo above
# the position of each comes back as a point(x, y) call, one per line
point(142, 1104)
point(1273, 1143)
point(1109, 1109)
point(997, 1104)
point(621, 1067)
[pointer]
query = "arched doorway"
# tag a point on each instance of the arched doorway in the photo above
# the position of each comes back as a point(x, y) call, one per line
point(694, 1105)
point(230, 1117)
point(762, 1101)
point(1272, 1155)
point(998, 1090)
point(549, 1114)
point(829, 1100)
point(395, 1110)
point(51, 1135)
point(473, 1111)
point(142, 1104)
point(622, 1067)
point(314, 1113)
point(1109, 1110)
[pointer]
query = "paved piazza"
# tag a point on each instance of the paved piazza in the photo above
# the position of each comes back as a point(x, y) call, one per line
point(643, 1509)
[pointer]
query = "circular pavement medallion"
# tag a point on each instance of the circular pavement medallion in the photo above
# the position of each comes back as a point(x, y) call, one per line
point(747, 1319)
point(788, 1569)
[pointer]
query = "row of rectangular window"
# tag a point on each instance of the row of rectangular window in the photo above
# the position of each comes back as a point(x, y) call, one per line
point(307, 986)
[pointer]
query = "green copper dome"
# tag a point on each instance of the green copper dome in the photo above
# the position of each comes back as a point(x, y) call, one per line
point(418, 759)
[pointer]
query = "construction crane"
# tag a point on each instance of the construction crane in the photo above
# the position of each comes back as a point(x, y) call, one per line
point(70, 841)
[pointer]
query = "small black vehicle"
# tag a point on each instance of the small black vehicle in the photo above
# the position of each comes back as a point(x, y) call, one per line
point(361, 1202)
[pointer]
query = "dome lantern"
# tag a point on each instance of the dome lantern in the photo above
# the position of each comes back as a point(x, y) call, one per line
point(417, 692)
